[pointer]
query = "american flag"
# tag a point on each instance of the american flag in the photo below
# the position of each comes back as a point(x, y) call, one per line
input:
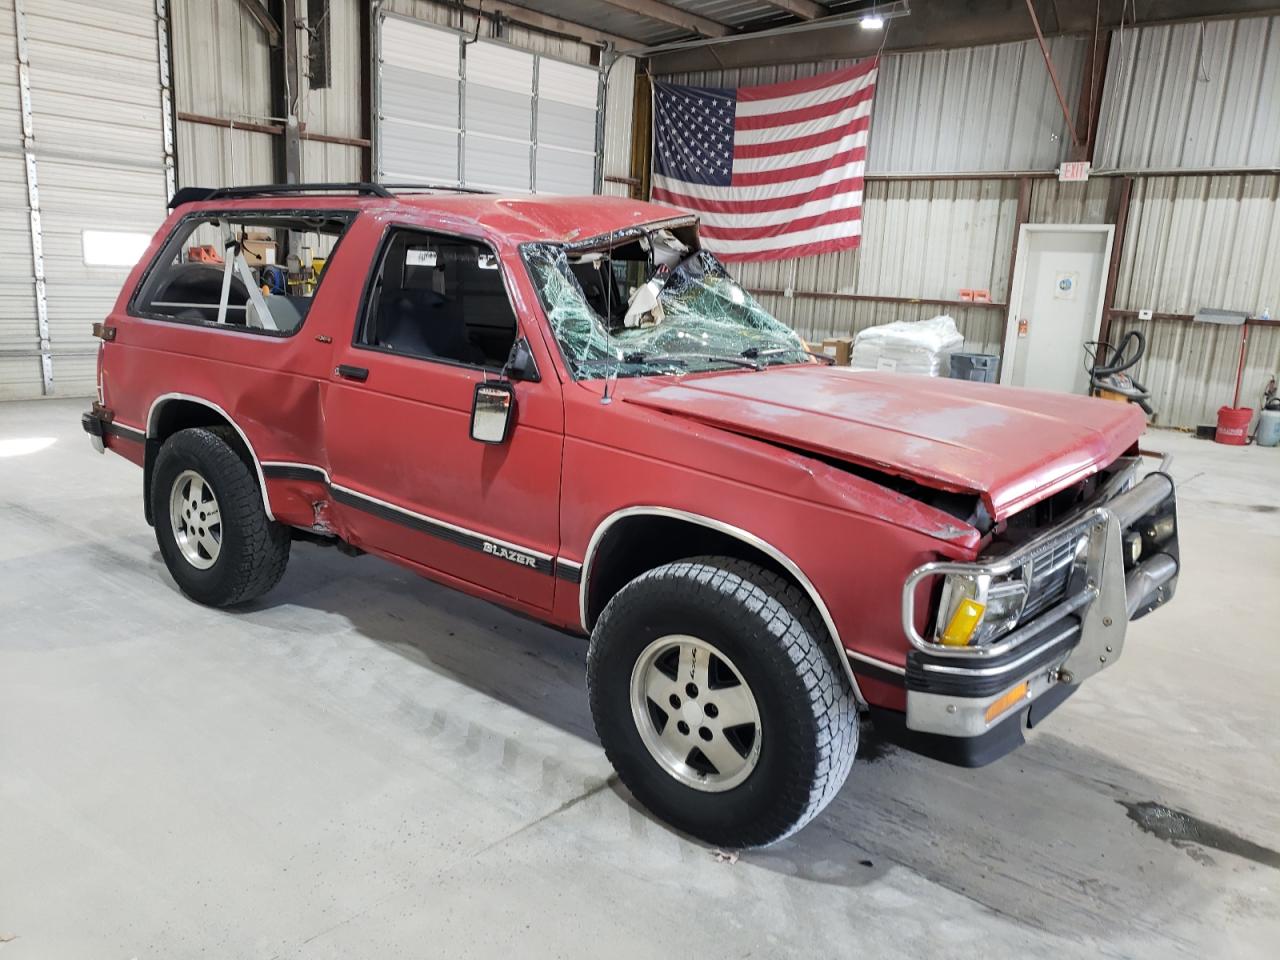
point(773, 171)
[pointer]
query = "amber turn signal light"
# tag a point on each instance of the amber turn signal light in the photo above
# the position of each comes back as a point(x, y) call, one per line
point(1010, 699)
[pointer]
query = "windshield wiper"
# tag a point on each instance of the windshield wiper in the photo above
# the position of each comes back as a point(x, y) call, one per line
point(755, 353)
point(684, 358)
point(640, 359)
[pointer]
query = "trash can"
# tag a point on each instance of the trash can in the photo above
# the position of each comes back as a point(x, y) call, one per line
point(974, 366)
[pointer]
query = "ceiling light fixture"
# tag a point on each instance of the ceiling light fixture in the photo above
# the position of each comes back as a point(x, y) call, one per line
point(871, 22)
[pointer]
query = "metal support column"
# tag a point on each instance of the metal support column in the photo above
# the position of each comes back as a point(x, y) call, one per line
point(292, 88)
point(33, 198)
point(166, 97)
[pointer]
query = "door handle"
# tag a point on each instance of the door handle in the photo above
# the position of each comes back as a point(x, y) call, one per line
point(353, 373)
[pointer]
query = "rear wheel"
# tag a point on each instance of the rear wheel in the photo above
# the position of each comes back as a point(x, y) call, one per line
point(718, 698)
point(211, 527)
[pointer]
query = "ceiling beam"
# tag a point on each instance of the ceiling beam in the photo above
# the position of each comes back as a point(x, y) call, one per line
point(666, 13)
point(804, 9)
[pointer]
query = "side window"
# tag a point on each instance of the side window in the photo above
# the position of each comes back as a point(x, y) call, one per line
point(439, 298)
point(245, 272)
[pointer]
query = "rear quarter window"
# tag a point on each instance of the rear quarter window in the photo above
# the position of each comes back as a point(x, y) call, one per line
point(243, 271)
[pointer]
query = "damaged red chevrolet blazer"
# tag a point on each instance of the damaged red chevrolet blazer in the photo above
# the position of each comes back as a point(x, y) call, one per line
point(567, 407)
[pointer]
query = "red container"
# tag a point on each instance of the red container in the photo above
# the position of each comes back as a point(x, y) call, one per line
point(1233, 425)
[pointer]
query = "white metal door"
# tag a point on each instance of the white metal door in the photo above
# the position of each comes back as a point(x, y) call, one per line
point(1055, 305)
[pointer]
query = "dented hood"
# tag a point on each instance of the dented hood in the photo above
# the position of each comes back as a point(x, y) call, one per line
point(1010, 446)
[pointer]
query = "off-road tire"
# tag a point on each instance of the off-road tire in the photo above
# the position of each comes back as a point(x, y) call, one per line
point(254, 550)
point(770, 630)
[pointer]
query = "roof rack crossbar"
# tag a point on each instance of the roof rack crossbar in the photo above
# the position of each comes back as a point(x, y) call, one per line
point(197, 194)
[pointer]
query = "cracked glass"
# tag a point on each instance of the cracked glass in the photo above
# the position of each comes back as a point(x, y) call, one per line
point(696, 317)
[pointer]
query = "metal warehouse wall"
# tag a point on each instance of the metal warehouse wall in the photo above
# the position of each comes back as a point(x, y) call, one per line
point(1193, 95)
point(228, 123)
point(93, 152)
point(1177, 98)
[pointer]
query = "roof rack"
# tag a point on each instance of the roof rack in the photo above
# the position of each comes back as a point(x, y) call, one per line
point(364, 189)
point(452, 188)
point(199, 194)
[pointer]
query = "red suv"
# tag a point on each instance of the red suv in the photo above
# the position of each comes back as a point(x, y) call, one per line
point(565, 406)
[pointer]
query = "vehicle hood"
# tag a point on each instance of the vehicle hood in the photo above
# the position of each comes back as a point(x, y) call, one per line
point(1010, 446)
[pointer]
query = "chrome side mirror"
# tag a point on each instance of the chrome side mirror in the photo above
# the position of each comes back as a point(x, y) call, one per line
point(491, 410)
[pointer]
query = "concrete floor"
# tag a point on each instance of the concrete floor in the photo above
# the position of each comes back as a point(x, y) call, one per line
point(364, 764)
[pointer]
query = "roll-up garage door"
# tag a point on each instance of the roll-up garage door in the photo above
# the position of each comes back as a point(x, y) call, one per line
point(419, 112)
point(568, 98)
point(482, 114)
point(99, 160)
point(499, 118)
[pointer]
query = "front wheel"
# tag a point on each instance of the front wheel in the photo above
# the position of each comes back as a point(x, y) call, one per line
point(719, 700)
point(211, 527)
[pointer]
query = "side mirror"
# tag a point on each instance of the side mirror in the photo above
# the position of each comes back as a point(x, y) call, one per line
point(520, 363)
point(491, 410)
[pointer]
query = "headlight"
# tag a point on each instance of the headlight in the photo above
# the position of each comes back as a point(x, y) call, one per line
point(976, 608)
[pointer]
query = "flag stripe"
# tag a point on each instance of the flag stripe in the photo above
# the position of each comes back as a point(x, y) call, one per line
point(822, 134)
point(810, 207)
point(791, 88)
point(792, 225)
point(771, 196)
point(813, 111)
point(787, 253)
point(830, 231)
point(828, 152)
point(789, 174)
point(803, 129)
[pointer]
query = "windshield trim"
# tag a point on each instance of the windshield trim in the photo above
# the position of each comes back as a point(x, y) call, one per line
point(611, 238)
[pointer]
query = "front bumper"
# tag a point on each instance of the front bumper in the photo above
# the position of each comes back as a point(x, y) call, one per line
point(987, 695)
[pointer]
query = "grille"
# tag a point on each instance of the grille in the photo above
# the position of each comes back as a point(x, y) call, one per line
point(1049, 577)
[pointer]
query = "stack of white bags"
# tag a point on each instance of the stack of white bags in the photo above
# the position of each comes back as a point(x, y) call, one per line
point(923, 347)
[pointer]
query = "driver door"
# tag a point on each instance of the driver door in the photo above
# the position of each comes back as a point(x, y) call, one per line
point(407, 477)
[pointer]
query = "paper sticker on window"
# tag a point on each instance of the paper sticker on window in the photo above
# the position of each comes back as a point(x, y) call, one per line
point(487, 261)
point(419, 258)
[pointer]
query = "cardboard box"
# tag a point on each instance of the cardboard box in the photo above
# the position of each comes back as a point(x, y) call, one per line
point(839, 347)
point(259, 249)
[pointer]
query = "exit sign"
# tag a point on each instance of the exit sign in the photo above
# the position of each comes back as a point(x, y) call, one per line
point(1076, 170)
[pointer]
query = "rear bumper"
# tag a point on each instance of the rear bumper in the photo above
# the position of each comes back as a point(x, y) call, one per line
point(99, 423)
point(989, 698)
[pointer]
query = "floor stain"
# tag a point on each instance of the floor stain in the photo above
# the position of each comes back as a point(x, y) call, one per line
point(1182, 830)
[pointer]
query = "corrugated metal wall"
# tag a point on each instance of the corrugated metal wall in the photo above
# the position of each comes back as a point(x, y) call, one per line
point(1193, 96)
point(1185, 96)
point(336, 109)
point(620, 91)
point(222, 68)
point(1197, 242)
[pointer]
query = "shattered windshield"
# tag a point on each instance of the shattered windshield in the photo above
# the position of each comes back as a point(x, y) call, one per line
point(648, 307)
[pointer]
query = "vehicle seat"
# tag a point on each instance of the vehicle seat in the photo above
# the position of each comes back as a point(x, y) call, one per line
point(424, 323)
